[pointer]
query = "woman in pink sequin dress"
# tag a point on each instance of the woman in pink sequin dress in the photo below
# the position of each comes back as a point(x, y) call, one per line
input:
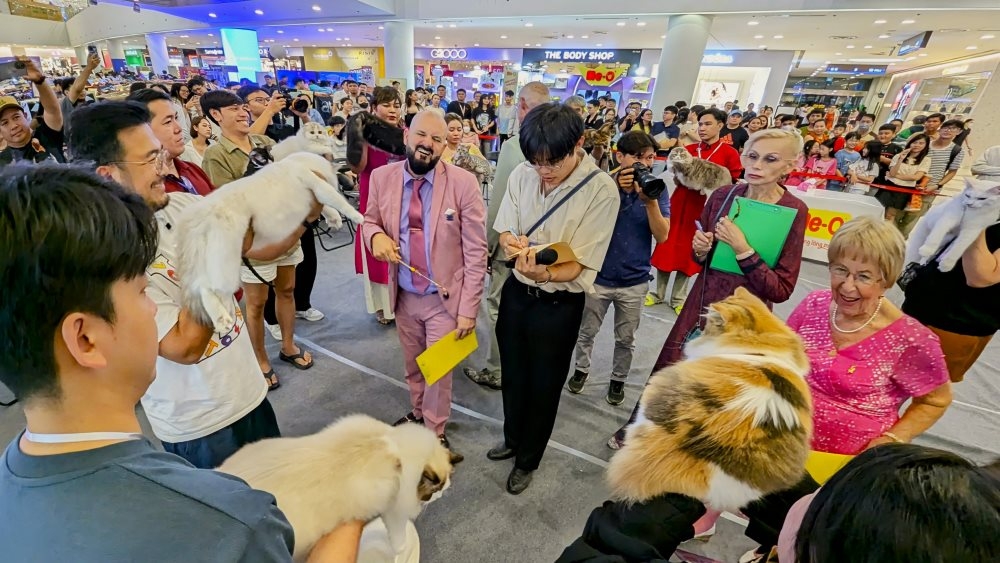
point(868, 358)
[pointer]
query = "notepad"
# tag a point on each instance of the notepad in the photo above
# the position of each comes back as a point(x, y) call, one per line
point(766, 226)
point(822, 465)
point(442, 356)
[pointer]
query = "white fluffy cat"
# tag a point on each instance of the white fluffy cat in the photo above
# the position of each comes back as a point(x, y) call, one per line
point(274, 201)
point(311, 137)
point(956, 223)
point(358, 468)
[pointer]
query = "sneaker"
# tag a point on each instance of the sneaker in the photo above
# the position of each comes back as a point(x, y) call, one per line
point(651, 300)
point(706, 535)
point(275, 331)
point(616, 393)
point(677, 309)
point(616, 441)
point(312, 314)
point(576, 382)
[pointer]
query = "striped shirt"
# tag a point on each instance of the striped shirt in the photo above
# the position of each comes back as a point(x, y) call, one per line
point(939, 162)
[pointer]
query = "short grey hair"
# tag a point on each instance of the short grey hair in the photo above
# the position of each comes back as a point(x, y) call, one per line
point(576, 102)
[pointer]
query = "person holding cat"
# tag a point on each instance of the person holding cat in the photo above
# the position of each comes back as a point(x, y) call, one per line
point(427, 219)
point(454, 139)
point(769, 155)
point(972, 316)
point(373, 140)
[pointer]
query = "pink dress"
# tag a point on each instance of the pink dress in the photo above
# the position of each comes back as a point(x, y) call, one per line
point(378, 272)
point(858, 390)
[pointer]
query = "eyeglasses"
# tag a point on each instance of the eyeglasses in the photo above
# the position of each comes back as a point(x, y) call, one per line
point(159, 161)
point(550, 166)
point(258, 100)
point(861, 279)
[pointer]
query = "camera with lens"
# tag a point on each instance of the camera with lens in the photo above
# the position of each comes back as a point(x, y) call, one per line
point(300, 105)
point(651, 186)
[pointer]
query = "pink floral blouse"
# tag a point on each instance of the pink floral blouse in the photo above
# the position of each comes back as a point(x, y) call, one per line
point(858, 390)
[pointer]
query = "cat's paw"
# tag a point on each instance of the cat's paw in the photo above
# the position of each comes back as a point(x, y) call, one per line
point(333, 219)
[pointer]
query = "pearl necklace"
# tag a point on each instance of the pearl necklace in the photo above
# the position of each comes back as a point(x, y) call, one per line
point(833, 318)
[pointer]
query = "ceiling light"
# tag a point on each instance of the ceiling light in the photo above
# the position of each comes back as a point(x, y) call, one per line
point(212, 15)
point(527, 44)
point(584, 37)
point(259, 12)
point(381, 27)
point(600, 44)
point(503, 37)
point(620, 24)
point(339, 39)
point(838, 54)
point(529, 24)
point(569, 37)
point(316, 8)
point(906, 22)
point(475, 44)
point(437, 37)
point(868, 47)
point(850, 46)
point(296, 39)
point(987, 36)
point(753, 22)
point(321, 30)
point(281, 31)
point(211, 35)
point(538, 44)
point(884, 36)
point(758, 36)
point(348, 44)
point(329, 29)
point(312, 45)
point(779, 36)
point(921, 54)
point(124, 41)
point(185, 36)
point(452, 25)
point(641, 24)
point(762, 46)
point(439, 26)
point(347, 39)
point(879, 22)
point(971, 48)
point(663, 37)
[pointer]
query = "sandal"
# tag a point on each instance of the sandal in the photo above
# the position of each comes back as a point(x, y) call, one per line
point(272, 380)
point(380, 317)
point(291, 358)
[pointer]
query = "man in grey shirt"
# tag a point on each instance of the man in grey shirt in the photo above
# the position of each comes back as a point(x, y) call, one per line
point(78, 346)
point(532, 95)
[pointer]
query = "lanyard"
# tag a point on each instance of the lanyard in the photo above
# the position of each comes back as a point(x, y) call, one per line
point(79, 437)
point(710, 155)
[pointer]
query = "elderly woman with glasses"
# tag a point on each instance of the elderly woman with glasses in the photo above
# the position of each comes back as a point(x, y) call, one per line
point(868, 358)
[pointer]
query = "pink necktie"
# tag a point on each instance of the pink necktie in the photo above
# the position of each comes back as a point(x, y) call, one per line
point(418, 252)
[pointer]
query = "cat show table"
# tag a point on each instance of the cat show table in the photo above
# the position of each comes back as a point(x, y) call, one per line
point(828, 210)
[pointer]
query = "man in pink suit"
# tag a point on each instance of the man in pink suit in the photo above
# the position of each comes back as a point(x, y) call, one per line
point(430, 215)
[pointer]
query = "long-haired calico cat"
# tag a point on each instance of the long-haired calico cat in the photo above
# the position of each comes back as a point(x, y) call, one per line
point(355, 469)
point(697, 174)
point(729, 424)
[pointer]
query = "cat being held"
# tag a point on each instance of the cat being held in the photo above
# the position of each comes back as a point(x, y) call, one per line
point(954, 226)
point(697, 174)
point(729, 424)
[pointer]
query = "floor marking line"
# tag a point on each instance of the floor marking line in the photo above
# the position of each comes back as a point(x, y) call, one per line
point(455, 406)
point(976, 407)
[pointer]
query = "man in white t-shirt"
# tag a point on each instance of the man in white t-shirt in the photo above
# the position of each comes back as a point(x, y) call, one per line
point(209, 397)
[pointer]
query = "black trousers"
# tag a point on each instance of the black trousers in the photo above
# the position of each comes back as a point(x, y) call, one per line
point(536, 332)
point(305, 278)
point(767, 515)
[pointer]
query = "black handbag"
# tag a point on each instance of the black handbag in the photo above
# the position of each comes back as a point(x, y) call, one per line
point(914, 269)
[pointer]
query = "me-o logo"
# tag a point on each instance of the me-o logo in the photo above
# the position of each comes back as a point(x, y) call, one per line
point(449, 53)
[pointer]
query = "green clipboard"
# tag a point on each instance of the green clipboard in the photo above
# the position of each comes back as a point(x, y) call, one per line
point(766, 227)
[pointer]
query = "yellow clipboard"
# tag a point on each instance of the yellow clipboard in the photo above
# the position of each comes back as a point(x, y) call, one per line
point(822, 465)
point(442, 356)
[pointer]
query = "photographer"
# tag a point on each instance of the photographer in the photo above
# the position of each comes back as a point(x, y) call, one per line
point(265, 111)
point(24, 144)
point(624, 277)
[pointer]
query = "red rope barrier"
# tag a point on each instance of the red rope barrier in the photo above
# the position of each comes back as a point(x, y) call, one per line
point(879, 186)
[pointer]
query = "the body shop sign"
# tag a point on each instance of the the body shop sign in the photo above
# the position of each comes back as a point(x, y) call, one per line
point(608, 57)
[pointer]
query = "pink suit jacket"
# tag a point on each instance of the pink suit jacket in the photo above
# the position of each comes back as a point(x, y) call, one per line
point(457, 231)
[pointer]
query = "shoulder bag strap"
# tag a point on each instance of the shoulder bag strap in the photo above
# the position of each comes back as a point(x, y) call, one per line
point(708, 257)
point(561, 202)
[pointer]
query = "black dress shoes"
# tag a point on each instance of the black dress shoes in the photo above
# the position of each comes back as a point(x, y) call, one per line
point(518, 481)
point(500, 453)
point(410, 417)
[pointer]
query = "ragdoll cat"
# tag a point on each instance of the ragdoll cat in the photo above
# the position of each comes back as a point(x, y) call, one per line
point(697, 174)
point(311, 137)
point(729, 424)
point(358, 468)
point(956, 223)
point(273, 202)
point(476, 164)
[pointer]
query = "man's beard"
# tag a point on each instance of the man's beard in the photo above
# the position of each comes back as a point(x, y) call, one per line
point(419, 167)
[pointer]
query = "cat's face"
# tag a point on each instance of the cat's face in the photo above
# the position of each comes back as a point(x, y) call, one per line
point(313, 132)
point(680, 155)
point(980, 193)
point(436, 478)
point(744, 317)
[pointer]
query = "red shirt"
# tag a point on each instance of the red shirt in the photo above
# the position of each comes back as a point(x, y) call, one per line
point(192, 179)
point(720, 153)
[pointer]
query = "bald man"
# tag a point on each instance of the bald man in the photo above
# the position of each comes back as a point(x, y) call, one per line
point(532, 95)
point(429, 215)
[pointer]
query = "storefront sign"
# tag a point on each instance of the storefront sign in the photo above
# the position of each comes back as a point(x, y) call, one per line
point(622, 56)
point(868, 70)
point(453, 54)
point(954, 70)
point(717, 59)
point(340, 59)
point(828, 211)
point(264, 52)
point(212, 52)
point(601, 75)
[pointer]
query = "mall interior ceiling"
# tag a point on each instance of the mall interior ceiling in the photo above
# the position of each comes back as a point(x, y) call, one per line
point(840, 34)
